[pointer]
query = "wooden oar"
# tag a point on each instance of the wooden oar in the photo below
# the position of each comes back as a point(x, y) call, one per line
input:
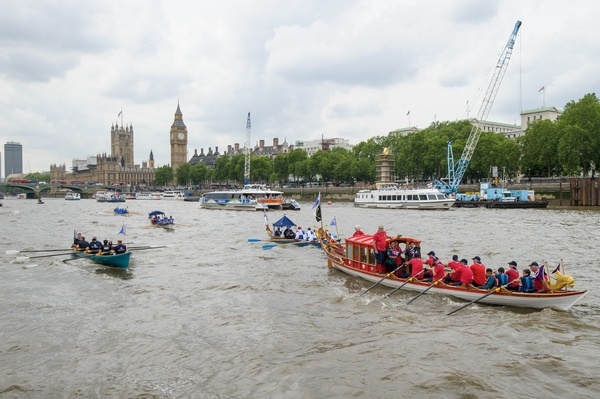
point(380, 281)
point(14, 251)
point(148, 247)
point(424, 291)
point(481, 297)
point(401, 285)
point(24, 258)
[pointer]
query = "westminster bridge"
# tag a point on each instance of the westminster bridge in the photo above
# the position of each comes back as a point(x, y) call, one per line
point(37, 190)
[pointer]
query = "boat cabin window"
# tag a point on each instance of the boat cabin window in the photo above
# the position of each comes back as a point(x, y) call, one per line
point(431, 196)
point(423, 197)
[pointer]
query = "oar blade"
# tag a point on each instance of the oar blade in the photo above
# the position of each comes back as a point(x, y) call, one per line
point(12, 252)
point(268, 246)
point(22, 258)
point(254, 240)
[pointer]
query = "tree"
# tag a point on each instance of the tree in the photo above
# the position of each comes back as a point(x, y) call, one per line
point(183, 174)
point(163, 175)
point(198, 174)
point(581, 121)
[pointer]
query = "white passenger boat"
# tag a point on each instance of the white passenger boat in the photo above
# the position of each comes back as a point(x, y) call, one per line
point(72, 196)
point(389, 195)
point(149, 196)
point(271, 198)
point(109, 196)
point(178, 195)
point(235, 200)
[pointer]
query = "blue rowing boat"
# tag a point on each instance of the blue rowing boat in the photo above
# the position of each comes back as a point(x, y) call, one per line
point(115, 260)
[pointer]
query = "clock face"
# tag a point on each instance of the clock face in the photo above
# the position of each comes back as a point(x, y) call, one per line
point(180, 136)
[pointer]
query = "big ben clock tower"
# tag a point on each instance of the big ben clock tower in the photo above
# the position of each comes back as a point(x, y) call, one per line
point(179, 140)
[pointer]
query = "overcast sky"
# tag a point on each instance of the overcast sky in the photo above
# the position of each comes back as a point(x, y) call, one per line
point(304, 69)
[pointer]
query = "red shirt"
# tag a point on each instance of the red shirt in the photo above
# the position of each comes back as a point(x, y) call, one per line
point(379, 240)
point(438, 272)
point(454, 264)
point(416, 267)
point(479, 276)
point(358, 233)
point(466, 275)
point(512, 274)
point(430, 261)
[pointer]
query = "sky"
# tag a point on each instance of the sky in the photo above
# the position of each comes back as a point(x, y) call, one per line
point(304, 69)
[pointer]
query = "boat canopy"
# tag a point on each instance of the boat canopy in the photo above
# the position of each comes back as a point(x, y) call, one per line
point(284, 222)
point(155, 213)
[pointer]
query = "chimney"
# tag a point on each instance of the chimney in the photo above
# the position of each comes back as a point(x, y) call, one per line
point(216, 150)
point(276, 142)
point(209, 151)
point(202, 152)
point(195, 152)
point(261, 143)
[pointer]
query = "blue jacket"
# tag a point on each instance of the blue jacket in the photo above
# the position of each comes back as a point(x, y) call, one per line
point(527, 284)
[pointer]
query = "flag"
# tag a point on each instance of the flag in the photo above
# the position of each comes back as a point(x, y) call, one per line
point(318, 213)
point(74, 234)
point(122, 230)
point(317, 202)
point(333, 222)
point(266, 218)
point(542, 88)
point(540, 274)
point(429, 185)
point(557, 269)
point(120, 113)
point(408, 113)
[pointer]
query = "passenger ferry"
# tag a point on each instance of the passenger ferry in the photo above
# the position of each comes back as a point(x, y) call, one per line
point(149, 196)
point(265, 196)
point(178, 195)
point(72, 196)
point(109, 196)
point(234, 200)
point(390, 195)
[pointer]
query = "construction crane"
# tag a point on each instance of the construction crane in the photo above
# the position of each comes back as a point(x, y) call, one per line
point(455, 174)
point(247, 153)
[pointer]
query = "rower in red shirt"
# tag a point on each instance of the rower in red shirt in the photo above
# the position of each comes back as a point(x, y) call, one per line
point(478, 269)
point(513, 276)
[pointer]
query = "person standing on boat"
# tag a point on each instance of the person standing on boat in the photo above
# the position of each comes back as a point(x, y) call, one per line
point(357, 231)
point(411, 251)
point(513, 276)
point(380, 247)
point(479, 277)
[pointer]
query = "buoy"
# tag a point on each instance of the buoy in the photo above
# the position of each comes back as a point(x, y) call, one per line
point(328, 202)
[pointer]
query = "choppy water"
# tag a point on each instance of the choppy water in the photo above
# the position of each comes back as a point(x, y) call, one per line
point(213, 316)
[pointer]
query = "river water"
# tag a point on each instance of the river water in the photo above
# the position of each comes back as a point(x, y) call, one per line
point(214, 316)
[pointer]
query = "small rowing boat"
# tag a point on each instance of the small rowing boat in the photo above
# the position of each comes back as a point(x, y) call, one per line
point(159, 219)
point(115, 260)
point(121, 211)
point(357, 258)
point(285, 235)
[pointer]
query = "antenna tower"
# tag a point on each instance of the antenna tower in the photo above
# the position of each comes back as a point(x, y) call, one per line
point(247, 155)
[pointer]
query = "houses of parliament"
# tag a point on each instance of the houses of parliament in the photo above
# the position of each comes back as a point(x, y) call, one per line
point(118, 167)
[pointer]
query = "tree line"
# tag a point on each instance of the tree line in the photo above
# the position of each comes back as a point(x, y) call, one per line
point(568, 146)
